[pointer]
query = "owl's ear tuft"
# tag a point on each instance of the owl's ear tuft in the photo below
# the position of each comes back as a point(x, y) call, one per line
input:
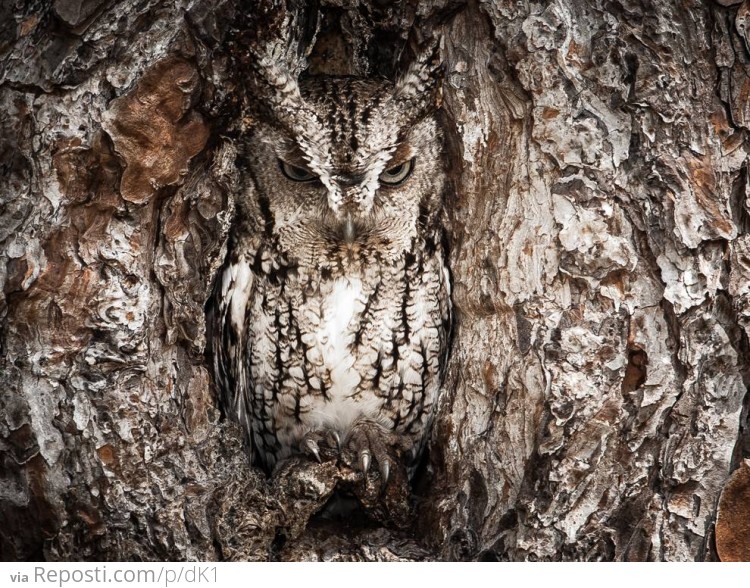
point(419, 87)
point(278, 37)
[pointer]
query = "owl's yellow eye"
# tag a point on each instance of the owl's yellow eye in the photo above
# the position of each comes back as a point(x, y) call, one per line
point(397, 174)
point(296, 172)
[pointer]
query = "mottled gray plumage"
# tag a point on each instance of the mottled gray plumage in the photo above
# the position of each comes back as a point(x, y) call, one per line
point(332, 311)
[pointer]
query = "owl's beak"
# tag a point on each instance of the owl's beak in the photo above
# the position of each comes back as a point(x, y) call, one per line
point(347, 209)
point(349, 232)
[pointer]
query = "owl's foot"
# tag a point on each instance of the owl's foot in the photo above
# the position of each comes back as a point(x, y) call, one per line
point(373, 470)
point(370, 442)
point(320, 443)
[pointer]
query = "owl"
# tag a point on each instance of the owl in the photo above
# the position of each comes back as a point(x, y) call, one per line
point(332, 311)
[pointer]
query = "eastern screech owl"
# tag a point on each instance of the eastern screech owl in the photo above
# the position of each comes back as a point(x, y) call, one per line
point(332, 311)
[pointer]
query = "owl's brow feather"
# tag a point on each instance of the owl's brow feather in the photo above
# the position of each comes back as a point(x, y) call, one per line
point(293, 155)
point(400, 155)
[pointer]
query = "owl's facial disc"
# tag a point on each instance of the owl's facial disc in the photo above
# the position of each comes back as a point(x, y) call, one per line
point(347, 176)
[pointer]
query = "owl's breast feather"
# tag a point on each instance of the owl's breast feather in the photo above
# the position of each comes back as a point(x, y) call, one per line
point(338, 310)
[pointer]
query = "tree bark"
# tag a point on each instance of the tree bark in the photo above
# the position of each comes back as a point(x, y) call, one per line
point(595, 404)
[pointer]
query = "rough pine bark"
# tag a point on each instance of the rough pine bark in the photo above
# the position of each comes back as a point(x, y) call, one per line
point(595, 404)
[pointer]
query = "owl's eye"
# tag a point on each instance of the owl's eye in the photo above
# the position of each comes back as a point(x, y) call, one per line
point(397, 174)
point(295, 172)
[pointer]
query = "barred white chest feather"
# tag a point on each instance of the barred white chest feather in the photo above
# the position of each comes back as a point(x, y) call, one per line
point(334, 341)
point(333, 310)
point(325, 354)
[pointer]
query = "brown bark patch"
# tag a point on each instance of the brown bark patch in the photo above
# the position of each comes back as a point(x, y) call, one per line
point(29, 24)
point(107, 455)
point(154, 130)
point(87, 173)
point(704, 183)
point(636, 370)
point(733, 521)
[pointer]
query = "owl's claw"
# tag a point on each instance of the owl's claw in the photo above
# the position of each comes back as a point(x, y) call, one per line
point(311, 446)
point(370, 442)
point(385, 470)
point(364, 460)
point(322, 445)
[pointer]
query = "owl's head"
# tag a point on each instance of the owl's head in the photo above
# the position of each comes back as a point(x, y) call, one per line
point(346, 164)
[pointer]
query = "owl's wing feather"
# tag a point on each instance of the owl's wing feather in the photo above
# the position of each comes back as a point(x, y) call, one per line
point(230, 352)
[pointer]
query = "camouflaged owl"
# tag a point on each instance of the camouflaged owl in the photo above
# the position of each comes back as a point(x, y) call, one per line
point(332, 311)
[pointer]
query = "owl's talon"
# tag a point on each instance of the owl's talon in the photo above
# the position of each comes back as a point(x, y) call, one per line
point(336, 439)
point(364, 460)
point(385, 471)
point(370, 443)
point(311, 446)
